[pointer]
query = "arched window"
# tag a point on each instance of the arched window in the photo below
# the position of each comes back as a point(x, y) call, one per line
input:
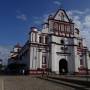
point(35, 37)
point(79, 44)
point(62, 17)
point(56, 26)
point(46, 39)
point(40, 39)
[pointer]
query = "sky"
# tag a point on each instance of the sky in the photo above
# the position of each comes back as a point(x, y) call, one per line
point(17, 16)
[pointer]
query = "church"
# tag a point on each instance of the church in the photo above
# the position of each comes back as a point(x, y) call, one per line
point(57, 47)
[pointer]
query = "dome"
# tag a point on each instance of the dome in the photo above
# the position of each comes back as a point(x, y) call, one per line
point(34, 29)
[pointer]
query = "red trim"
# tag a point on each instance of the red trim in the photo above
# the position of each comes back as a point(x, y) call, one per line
point(64, 28)
point(44, 66)
point(37, 72)
point(80, 73)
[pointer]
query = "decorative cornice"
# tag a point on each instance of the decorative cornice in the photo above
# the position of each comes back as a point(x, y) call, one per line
point(63, 44)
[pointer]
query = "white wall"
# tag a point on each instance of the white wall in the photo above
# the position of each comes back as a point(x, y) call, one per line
point(76, 57)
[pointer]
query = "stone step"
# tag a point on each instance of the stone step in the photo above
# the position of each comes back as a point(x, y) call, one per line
point(72, 80)
point(76, 86)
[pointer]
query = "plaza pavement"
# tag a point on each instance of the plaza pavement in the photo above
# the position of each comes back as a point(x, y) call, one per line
point(29, 83)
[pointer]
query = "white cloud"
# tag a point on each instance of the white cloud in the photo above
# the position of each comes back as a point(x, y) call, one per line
point(40, 20)
point(37, 20)
point(75, 18)
point(45, 17)
point(4, 53)
point(87, 21)
point(80, 18)
point(80, 12)
point(77, 12)
point(82, 21)
point(57, 3)
point(77, 22)
point(22, 17)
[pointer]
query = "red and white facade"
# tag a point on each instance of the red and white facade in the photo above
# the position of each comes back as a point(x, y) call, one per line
point(58, 47)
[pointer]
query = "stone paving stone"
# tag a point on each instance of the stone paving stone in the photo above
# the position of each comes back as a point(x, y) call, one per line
point(1, 84)
point(31, 83)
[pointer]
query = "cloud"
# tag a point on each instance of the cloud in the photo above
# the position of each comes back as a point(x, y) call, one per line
point(21, 16)
point(4, 53)
point(45, 17)
point(82, 21)
point(40, 20)
point(37, 20)
point(79, 12)
point(57, 3)
point(81, 18)
point(87, 21)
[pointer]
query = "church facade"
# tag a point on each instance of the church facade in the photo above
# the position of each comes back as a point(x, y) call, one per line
point(58, 47)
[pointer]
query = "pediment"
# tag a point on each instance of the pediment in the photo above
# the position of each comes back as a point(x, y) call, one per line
point(61, 15)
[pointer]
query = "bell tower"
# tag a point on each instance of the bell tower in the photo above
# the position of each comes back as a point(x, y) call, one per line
point(60, 24)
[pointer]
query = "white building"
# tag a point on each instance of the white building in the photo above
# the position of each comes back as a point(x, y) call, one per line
point(13, 58)
point(57, 47)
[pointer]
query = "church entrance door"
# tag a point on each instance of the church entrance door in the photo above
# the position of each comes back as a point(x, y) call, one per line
point(63, 66)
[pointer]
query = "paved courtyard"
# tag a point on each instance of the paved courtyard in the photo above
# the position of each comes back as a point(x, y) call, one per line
point(29, 83)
